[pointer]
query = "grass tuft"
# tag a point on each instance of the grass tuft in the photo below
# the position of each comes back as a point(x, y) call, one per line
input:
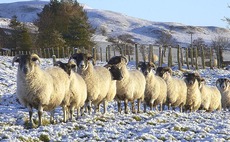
point(137, 118)
point(44, 138)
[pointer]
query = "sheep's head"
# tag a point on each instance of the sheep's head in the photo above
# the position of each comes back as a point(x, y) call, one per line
point(118, 61)
point(164, 72)
point(190, 78)
point(146, 67)
point(26, 62)
point(115, 72)
point(223, 83)
point(82, 60)
point(67, 67)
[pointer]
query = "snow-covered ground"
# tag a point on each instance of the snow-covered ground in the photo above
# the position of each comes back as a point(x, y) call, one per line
point(152, 126)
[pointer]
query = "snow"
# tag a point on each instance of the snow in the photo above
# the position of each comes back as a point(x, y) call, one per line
point(167, 125)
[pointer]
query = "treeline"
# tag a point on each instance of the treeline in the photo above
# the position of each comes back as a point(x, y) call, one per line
point(61, 25)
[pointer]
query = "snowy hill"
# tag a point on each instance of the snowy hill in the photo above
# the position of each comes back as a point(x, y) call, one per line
point(115, 24)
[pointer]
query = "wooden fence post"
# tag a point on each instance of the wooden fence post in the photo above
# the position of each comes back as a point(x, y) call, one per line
point(160, 58)
point(187, 62)
point(210, 65)
point(202, 58)
point(178, 57)
point(170, 57)
point(137, 59)
point(191, 56)
point(109, 51)
point(196, 57)
point(101, 54)
point(182, 56)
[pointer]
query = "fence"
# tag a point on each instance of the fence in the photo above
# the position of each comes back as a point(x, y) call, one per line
point(190, 57)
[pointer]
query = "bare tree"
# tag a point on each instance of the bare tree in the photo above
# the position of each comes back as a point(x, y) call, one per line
point(165, 39)
point(220, 44)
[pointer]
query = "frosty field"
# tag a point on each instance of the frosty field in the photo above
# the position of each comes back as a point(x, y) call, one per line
point(168, 125)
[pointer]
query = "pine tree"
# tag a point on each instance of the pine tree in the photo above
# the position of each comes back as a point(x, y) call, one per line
point(67, 18)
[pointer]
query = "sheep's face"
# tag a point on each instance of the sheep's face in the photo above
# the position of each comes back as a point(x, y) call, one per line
point(27, 63)
point(115, 72)
point(146, 67)
point(67, 67)
point(190, 79)
point(223, 83)
point(163, 72)
point(82, 60)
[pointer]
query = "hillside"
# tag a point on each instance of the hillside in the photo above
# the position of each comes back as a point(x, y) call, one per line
point(115, 24)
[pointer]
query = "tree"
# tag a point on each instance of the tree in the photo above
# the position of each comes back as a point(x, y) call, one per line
point(219, 44)
point(165, 39)
point(68, 19)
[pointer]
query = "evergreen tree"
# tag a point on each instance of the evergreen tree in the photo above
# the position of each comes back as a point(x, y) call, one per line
point(25, 41)
point(61, 17)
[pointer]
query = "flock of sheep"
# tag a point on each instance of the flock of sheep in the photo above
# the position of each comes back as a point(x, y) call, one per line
point(78, 84)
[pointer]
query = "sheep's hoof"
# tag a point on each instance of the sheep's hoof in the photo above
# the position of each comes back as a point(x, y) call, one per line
point(126, 112)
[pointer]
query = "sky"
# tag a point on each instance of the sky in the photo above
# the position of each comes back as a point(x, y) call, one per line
point(189, 12)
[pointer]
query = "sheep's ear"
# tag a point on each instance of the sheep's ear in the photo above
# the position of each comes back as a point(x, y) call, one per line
point(15, 59)
point(35, 57)
point(72, 64)
point(218, 82)
point(152, 65)
point(169, 70)
point(140, 64)
point(108, 66)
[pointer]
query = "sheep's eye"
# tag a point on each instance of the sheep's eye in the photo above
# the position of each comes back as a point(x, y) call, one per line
point(34, 59)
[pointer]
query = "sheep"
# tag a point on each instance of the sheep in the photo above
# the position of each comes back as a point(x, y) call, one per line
point(100, 87)
point(77, 90)
point(43, 90)
point(223, 86)
point(131, 87)
point(193, 101)
point(155, 89)
point(211, 97)
point(176, 88)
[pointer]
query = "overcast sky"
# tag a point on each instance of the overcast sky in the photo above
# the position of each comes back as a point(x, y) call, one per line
point(189, 12)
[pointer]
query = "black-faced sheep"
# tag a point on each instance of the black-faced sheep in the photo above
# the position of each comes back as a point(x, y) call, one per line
point(155, 89)
point(99, 81)
point(193, 101)
point(77, 91)
point(223, 86)
point(176, 88)
point(210, 97)
point(43, 90)
point(131, 87)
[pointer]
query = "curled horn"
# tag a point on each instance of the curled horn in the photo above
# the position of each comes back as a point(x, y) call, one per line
point(107, 66)
point(15, 59)
point(126, 60)
point(35, 57)
point(152, 65)
point(169, 70)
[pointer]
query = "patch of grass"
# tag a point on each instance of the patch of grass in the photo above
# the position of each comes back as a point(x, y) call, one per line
point(189, 138)
point(44, 138)
point(27, 140)
point(183, 129)
point(161, 121)
point(151, 123)
point(27, 124)
point(151, 113)
point(162, 138)
point(76, 128)
point(137, 118)
point(100, 119)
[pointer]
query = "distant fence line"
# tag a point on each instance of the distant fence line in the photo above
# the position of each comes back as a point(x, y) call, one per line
point(190, 57)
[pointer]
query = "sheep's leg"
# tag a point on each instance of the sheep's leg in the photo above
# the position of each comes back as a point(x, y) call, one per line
point(64, 109)
point(138, 105)
point(145, 105)
point(133, 107)
point(105, 103)
point(119, 106)
point(40, 111)
point(126, 105)
point(71, 112)
point(52, 117)
point(31, 116)
point(161, 107)
point(89, 106)
point(151, 104)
